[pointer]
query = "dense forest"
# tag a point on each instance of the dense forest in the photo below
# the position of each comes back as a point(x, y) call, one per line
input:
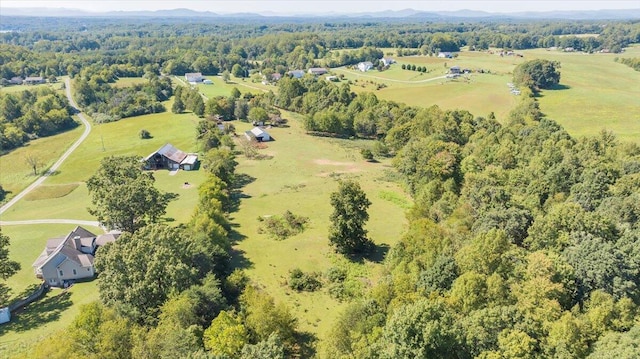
point(523, 242)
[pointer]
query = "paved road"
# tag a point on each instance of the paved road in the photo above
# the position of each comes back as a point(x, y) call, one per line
point(52, 169)
point(51, 221)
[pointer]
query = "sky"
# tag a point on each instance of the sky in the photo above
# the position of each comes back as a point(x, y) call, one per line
point(324, 6)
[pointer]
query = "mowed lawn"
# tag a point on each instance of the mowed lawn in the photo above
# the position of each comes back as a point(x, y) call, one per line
point(300, 177)
point(53, 312)
point(596, 93)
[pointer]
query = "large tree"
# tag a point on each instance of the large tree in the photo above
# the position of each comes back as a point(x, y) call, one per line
point(7, 268)
point(123, 195)
point(349, 216)
point(140, 270)
point(537, 74)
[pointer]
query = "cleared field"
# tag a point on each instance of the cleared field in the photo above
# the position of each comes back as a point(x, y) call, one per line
point(479, 93)
point(53, 312)
point(299, 177)
point(16, 174)
point(20, 88)
point(119, 138)
point(596, 93)
point(129, 81)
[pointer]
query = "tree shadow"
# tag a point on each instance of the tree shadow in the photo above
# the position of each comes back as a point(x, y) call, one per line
point(240, 180)
point(306, 347)
point(38, 313)
point(239, 260)
point(375, 254)
point(559, 87)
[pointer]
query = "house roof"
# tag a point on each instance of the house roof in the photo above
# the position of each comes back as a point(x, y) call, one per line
point(258, 132)
point(189, 160)
point(68, 248)
point(366, 63)
point(318, 70)
point(33, 78)
point(169, 152)
point(103, 239)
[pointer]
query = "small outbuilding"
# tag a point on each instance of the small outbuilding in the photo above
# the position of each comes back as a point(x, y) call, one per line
point(34, 80)
point(5, 315)
point(193, 77)
point(257, 134)
point(317, 71)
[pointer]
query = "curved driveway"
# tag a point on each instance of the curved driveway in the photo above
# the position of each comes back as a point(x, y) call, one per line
point(52, 169)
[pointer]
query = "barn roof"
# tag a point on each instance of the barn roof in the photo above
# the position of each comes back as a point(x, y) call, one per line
point(169, 152)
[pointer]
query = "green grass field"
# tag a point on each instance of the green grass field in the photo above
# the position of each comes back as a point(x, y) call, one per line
point(597, 93)
point(299, 177)
point(19, 88)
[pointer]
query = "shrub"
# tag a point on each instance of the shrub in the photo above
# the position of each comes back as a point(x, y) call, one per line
point(366, 154)
point(144, 134)
point(282, 227)
point(301, 281)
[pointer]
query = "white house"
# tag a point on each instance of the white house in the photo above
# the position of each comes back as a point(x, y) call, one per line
point(445, 55)
point(386, 61)
point(365, 66)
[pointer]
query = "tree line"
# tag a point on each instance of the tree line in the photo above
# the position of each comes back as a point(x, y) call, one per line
point(31, 114)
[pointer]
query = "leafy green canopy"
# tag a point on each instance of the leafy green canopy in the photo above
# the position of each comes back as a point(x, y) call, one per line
point(537, 74)
point(123, 195)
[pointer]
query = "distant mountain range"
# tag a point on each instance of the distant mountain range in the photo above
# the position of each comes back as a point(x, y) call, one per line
point(389, 14)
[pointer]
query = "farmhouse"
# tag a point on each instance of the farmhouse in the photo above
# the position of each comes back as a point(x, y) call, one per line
point(34, 80)
point(257, 134)
point(193, 77)
point(71, 257)
point(16, 80)
point(365, 66)
point(317, 71)
point(170, 158)
point(454, 70)
point(296, 73)
point(445, 55)
point(386, 61)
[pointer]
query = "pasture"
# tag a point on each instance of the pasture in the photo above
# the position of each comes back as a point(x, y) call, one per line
point(595, 93)
point(300, 173)
point(119, 138)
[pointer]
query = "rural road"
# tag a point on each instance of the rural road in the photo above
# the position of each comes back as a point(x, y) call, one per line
point(52, 169)
point(363, 74)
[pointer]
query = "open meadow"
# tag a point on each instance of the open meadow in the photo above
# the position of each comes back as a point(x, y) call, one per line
point(300, 173)
point(595, 93)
